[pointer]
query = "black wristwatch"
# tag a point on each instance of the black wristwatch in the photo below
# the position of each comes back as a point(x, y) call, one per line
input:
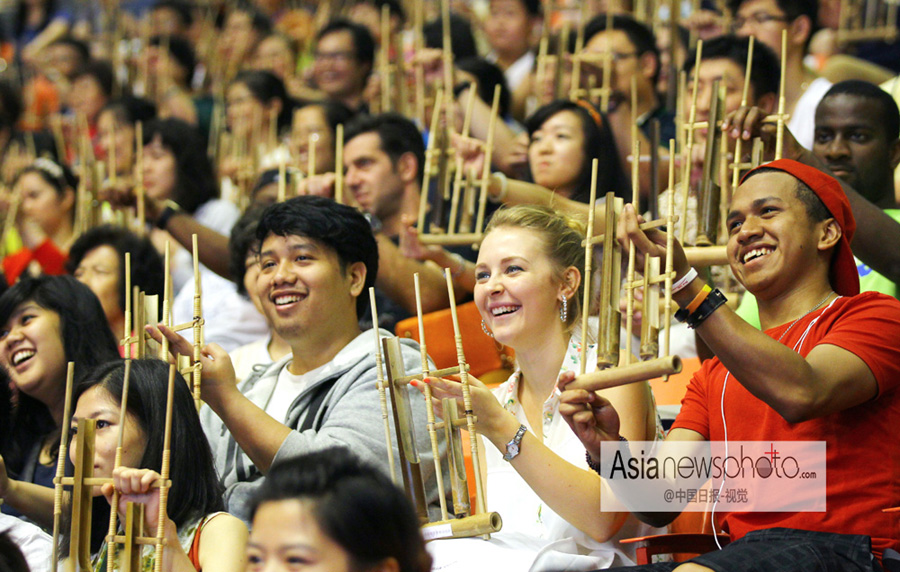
point(703, 311)
point(172, 208)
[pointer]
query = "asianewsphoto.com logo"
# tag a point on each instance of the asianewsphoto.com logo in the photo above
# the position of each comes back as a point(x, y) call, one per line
point(749, 476)
point(771, 464)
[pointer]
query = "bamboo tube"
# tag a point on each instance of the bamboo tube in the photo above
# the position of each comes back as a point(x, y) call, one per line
point(458, 175)
point(561, 51)
point(429, 403)
point(61, 465)
point(575, 90)
point(385, 58)
point(164, 471)
point(610, 316)
point(686, 155)
point(636, 372)
point(447, 48)
point(480, 502)
point(779, 134)
point(650, 322)
point(588, 270)
point(419, 71)
point(167, 301)
point(382, 395)
point(488, 155)
point(709, 192)
point(670, 244)
point(466, 527)
point(635, 203)
point(738, 164)
point(339, 164)
point(114, 503)
point(197, 323)
point(429, 160)
point(282, 183)
point(607, 67)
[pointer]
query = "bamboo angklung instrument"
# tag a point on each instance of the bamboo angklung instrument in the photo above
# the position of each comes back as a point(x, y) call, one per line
point(197, 366)
point(114, 503)
point(630, 284)
point(562, 49)
point(61, 467)
point(588, 268)
point(709, 192)
point(878, 22)
point(429, 403)
point(419, 69)
point(458, 175)
point(738, 165)
point(430, 159)
point(606, 376)
point(382, 395)
point(473, 238)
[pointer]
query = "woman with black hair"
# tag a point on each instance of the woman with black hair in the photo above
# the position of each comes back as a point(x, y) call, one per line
point(333, 512)
point(97, 259)
point(182, 199)
point(45, 322)
point(116, 126)
point(199, 535)
point(319, 121)
point(47, 212)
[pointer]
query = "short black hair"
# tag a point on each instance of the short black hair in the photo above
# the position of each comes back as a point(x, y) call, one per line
point(147, 268)
point(889, 116)
point(765, 72)
point(260, 23)
point(489, 75)
point(398, 136)
point(462, 40)
point(355, 505)
point(102, 73)
point(180, 50)
point(182, 9)
point(57, 175)
point(363, 42)
point(242, 242)
point(792, 9)
point(266, 86)
point(84, 52)
point(815, 208)
point(195, 182)
point(128, 110)
point(394, 7)
point(11, 104)
point(535, 8)
point(640, 36)
point(339, 227)
point(195, 491)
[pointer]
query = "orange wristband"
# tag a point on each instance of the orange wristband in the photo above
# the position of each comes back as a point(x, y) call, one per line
point(698, 299)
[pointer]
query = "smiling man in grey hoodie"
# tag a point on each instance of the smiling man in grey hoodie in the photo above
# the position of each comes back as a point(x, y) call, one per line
point(317, 259)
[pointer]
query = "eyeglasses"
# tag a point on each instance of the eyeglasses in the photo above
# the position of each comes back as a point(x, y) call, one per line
point(757, 19)
point(336, 57)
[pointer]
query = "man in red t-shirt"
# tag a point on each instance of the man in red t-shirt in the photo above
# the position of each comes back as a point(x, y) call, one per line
point(825, 368)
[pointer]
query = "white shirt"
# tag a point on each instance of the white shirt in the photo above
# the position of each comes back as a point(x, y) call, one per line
point(534, 537)
point(518, 71)
point(230, 319)
point(34, 543)
point(803, 119)
point(287, 388)
point(247, 357)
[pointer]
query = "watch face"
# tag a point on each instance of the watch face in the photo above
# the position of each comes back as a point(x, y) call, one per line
point(512, 450)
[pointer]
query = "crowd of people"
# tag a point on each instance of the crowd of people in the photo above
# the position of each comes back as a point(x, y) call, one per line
point(300, 141)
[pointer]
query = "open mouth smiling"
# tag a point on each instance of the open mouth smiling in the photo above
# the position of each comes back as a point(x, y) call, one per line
point(21, 356)
point(756, 253)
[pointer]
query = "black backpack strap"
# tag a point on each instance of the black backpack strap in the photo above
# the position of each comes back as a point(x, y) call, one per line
point(315, 403)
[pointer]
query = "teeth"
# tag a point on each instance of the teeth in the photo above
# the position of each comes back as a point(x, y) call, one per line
point(756, 253)
point(500, 310)
point(282, 300)
point(21, 356)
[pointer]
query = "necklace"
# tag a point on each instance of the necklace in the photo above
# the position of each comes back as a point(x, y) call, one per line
point(814, 308)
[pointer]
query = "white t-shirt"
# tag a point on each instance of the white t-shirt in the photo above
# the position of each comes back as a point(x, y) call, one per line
point(287, 388)
point(34, 543)
point(803, 119)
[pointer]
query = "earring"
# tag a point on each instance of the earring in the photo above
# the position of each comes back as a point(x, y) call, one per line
point(564, 310)
point(485, 329)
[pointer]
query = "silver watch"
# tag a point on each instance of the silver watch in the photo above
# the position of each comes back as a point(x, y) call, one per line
point(512, 448)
